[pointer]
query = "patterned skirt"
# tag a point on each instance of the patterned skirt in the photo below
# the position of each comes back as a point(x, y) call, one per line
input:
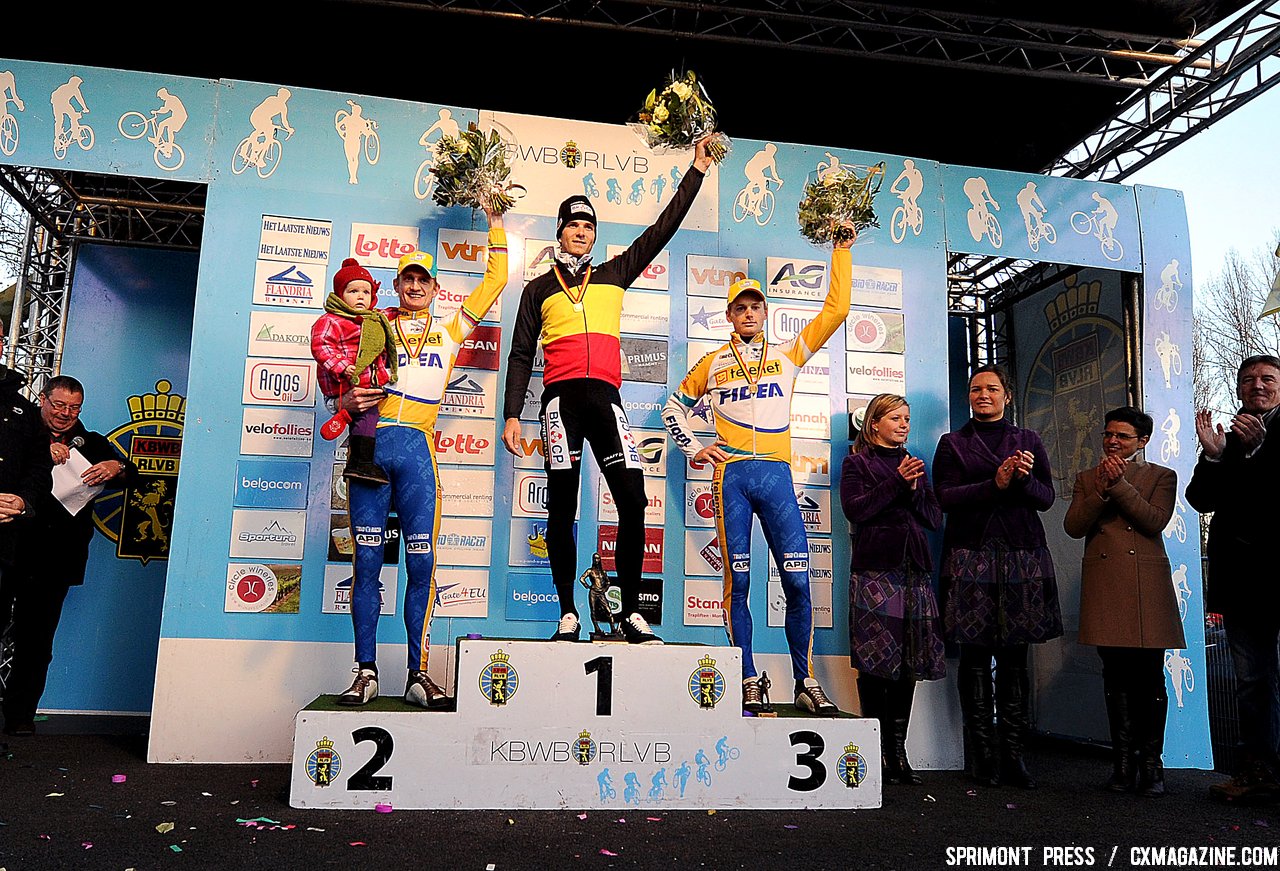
point(894, 628)
point(995, 596)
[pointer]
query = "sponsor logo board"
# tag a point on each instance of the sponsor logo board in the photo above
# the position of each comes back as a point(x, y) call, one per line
point(643, 404)
point(810, 461)
point(651, 445)
point(790, 278)
point(699, 504)
point(470, 393)
point(712, 276)
point(465, 441)
point(466, 492)
point(875, 332)
point(277, 432)
point(702, 553)
point(820, 595)
point(648, 314)
point(482, 349)
point(539, 254)
point(462, 250)
point(655, 512)
point(266, 534)
point(462, 592)
point(532, 452)
point(382, 245)
point(820, 563)
point(644, 360)
point(295, 240)
point(464, 542)
point(607, 546)
point(875, 373)
point(343, 539)
point(337, 589)
point(815, 508)
point(531, 597)
point(786, 320)
point(280, 334)
point(262, 588)
point(815, 375)
point(706, 320)
point(703, 603)
point(877, 286)
point(656, 276)
point(271, 484)
point(810, 416)
point(290, 284)
point(528, 545)
point(279, 382)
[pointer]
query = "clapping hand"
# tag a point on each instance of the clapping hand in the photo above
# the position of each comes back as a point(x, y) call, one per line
point(1250, 428)
point(1213, 438)
point(1109, 471)
point(911, 469)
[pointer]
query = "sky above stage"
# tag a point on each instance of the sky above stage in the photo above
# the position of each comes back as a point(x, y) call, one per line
point(1231, 179)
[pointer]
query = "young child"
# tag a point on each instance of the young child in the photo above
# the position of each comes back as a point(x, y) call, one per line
point(353, 343)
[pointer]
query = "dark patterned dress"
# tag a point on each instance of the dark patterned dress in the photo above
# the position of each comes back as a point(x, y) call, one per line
point(997, 577)
point(894, 625)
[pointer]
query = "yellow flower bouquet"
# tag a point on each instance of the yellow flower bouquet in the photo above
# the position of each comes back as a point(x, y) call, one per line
point(835, 200)
point(678, 115)
point(472, 168)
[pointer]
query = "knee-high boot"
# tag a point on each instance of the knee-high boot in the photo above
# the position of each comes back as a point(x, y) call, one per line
point(1119, 719)
point(1013, 698)
point(871, 702)
point(899, 695)
point(977, 709)
point(1151, 745)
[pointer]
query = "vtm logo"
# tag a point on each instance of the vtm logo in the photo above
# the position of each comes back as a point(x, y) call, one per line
point(713, 276)
point(463, 251)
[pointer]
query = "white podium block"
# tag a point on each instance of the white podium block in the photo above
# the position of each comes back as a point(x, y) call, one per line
point(601, 725)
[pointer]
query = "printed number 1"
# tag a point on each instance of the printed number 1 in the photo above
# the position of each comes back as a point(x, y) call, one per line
point(808, 759)
point(602, 667)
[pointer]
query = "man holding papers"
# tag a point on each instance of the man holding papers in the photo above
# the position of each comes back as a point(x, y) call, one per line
point(52, 554)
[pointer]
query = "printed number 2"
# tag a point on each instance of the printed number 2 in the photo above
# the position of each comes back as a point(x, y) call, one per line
point(383, 745)
point(602, 667)
point(808, 759)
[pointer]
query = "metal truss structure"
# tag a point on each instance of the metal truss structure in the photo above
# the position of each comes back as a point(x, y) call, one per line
point(1216, 77)
point(65, 209)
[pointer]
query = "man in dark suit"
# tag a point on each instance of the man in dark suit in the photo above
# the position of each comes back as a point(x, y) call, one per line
point(54, 549)
point(24, 477)
point(1236, 478)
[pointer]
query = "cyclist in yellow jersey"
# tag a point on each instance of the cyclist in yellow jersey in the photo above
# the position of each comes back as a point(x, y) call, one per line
point(749, 384)
point(426, 349)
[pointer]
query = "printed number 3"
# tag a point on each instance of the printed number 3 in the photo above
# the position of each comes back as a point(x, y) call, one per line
point(808, 759)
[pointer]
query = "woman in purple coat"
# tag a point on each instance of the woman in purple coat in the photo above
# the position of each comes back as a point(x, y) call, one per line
point(894, 628)
point(997, 578)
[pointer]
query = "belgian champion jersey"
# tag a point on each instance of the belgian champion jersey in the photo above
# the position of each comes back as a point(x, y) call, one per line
point(427, 348)
point(750, 384)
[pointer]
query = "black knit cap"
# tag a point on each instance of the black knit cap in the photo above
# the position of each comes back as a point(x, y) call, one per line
point(576, 208)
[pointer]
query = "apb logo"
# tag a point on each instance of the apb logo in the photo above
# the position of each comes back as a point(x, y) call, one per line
point(139, 518)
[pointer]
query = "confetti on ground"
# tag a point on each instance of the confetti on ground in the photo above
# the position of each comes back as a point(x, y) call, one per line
point(175, 848)
point(582, 816)
point(253, 783)
point(488, 867)
point(929, 798)
point(314, 829)
point(1011, 806)
point(87, 845)
point(208, 794)
point(791, 827)
point(711, 813)
point(1263, 823)
point(118, 778)
point(971, 792)
point(604, 852)
point(383, 808)
point(259, 820)
point(510, 821)
point(654, 819)
point(45, 838)
point(357, 844)
point(54, 795)
point(164, 828)
point(622, 819)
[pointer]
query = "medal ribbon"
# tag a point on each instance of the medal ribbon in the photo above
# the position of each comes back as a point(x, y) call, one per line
point(408, 343)
point(582, 290)
point(746, 370)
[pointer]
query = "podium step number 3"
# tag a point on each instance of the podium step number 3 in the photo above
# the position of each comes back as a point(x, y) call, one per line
point(602, 725)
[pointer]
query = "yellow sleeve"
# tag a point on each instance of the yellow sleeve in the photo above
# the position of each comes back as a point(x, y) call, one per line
point(480, 300)
point(835, 308)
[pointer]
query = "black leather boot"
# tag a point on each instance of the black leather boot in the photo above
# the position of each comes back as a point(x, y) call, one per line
point(1013, 697)
point(977, 710)
point(871, 702)
point(1151, 746)
point(898, 697)
point(360, 464)
point(1122, 739)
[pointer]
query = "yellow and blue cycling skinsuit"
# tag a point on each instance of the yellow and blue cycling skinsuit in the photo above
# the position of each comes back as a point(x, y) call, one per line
point(749, 386)
point(427, 349)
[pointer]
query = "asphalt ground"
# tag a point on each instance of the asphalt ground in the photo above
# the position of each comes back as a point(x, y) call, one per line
point(72, 797)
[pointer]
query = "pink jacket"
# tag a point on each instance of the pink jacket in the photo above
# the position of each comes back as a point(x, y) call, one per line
point(335, 341)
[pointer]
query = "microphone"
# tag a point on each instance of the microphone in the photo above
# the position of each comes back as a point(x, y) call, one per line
point(77, 442)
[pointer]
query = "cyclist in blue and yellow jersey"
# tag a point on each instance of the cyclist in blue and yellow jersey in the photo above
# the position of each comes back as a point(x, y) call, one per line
point(749, 385)
point(575, 309)
point(426, 350)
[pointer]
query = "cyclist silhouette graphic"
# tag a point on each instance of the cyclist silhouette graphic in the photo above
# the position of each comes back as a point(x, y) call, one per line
point(260, 148)
point(358, 132)
point(65, 115)
point(1179, 668)
point(1101, 223)
point(981, 221)
point(1170, 284)
point(160, 132)
point(1033, 211)
point(8, 123)
point(1170, 446)
point(755, 198)
point(423, 181)
point(907, 187)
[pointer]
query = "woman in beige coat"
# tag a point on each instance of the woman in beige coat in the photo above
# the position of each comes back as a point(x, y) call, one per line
point(1128, 608)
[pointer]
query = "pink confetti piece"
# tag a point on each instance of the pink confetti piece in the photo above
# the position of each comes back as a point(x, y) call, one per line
point(604, 852)
point(118, 778)
point(582, 816)
point(357, 844)
point(622, 819)
point(654, 819)
point(791, 827)
point(383, 808)
point(87, 845)
point(1011, 806)
point(971, 792)
point(253, 783)
point(45, 838)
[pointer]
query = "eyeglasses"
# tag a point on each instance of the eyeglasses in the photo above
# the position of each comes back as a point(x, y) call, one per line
point(64, 407)
point(1107, 434)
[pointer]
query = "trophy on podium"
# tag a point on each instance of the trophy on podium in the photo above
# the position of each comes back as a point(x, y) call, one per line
point(597, 583)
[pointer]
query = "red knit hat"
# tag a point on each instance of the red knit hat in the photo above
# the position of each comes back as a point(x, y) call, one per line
point(351, 271)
